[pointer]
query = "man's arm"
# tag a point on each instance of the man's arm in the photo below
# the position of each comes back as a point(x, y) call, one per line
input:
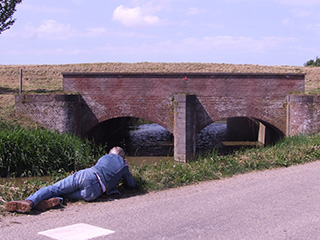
point(128, 180)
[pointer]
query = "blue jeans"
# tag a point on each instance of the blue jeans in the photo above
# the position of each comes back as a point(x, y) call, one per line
point(82, 185)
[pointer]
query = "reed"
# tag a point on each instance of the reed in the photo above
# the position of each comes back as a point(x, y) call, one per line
point(40, 152)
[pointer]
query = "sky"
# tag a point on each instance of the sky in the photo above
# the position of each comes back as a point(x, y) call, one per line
point(262, 32)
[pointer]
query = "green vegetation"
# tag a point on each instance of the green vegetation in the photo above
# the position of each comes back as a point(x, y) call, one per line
point(11, 191)
point(38, 152)
point(314, 63)
point(7, 9)
point(36, 148)
point(293, 150)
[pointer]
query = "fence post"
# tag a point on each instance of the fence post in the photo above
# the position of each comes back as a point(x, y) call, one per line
point(20, 86)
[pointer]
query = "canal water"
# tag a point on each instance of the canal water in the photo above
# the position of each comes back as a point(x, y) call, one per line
point(20, 180)
point(154, 140)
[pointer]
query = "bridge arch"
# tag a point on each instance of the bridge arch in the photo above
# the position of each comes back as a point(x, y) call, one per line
point(270, 117)
point(139, 137)
point(236, 132)
point(145, 117)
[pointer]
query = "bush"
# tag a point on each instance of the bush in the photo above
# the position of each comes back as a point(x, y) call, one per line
point(315, 63)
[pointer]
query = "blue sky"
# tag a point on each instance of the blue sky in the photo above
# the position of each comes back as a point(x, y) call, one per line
point(263, 32)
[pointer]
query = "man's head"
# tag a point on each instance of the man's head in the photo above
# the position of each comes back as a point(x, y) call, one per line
point(117, 150)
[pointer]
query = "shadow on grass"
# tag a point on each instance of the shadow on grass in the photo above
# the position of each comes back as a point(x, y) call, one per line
point(4, 90)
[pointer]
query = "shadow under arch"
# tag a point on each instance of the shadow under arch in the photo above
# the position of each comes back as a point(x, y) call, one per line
point(273, 134)
point(227, 135)
point(245, 129)
point(138, 137)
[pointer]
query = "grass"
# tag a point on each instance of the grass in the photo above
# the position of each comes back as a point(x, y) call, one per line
point(290, 151)
point(164, 174)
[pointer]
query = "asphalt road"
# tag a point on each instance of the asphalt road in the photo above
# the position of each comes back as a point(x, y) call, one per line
point(273, 204)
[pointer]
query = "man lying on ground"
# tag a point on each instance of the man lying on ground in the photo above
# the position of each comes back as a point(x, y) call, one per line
point(87, 184)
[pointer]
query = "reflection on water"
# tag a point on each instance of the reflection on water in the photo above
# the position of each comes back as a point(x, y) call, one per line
point(150, 143)
point(210, 137)
point(154, 140)
point(150, 140)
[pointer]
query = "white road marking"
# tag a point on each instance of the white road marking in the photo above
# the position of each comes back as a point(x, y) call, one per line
point(80, 231)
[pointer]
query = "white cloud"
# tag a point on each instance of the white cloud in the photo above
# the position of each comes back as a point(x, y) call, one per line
point(62, 51)
point(287, 22)
point(53, 30)
point(135, 17)
point(299, 2)
point(206, 46)
point(300, 13)
point(314, 27)
point(42, 9)
point(77, 1)
point(237, 44)
point(95, 32)
point(192, 11)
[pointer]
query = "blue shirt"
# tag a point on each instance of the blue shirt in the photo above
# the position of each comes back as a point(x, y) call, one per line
point(111, 169)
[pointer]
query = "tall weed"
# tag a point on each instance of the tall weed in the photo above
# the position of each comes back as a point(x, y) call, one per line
point(39, 152)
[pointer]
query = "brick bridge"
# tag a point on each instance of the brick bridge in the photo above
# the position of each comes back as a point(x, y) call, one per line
point(183, 103)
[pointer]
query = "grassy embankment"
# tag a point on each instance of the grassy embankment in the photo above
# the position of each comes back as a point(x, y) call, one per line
point(158, 176)
point(70, 154)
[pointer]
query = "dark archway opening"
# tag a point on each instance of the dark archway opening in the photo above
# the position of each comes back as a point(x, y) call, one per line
point(273, 134)
point(137, 136)
point(250, 130)
point(142, 138)
point(110, 133)
point(231, 134)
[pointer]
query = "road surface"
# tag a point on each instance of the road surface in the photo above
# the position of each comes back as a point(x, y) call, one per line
point(273, 204)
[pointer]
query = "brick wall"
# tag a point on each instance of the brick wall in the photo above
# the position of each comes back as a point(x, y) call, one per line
point(150, 96)
point(55, 112)
point(303, 114)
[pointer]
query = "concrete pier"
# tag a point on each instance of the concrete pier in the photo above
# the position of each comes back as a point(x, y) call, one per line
point(184, 127)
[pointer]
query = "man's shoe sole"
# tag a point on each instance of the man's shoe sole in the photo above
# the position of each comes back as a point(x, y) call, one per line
point(18, 206)
point(46, 204)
